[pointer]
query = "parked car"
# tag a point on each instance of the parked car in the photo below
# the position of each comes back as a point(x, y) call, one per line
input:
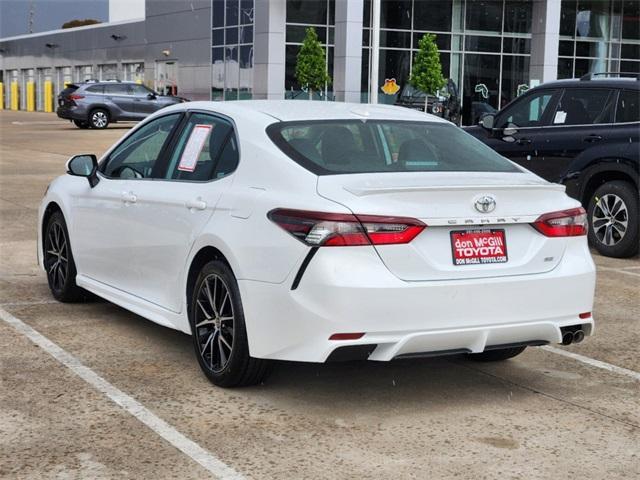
point(445, 106)
point(96, 104)
point(584, 134)
point(318, 232)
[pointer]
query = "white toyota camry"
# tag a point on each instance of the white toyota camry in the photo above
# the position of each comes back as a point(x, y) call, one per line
point(319, 231)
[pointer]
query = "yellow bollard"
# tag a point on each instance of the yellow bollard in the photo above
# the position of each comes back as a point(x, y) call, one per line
point(14, 96)
point(31, 96)
point(1, 96)
point(48, 96)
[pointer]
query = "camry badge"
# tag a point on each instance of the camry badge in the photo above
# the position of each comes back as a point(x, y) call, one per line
point(485, 204)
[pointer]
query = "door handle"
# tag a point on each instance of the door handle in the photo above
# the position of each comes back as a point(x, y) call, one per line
point(592, 138)
point(129, 197)
point(523, 141)
point(196, 204)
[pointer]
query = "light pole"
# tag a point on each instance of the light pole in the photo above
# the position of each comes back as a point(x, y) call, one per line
point(375, 50)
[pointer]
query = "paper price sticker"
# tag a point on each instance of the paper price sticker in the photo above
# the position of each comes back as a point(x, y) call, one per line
point(194, 147)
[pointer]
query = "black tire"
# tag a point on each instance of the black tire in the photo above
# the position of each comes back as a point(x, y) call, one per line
point(616, 201)
point(81, 124)
point(224, 367)
point(99, 118)
point(58, 261)
point(496, 355)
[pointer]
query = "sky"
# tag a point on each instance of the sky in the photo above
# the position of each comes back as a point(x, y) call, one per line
point(48, 14)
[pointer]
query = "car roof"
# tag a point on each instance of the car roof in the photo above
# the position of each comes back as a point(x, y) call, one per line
point(626, 82)
point(306, 110)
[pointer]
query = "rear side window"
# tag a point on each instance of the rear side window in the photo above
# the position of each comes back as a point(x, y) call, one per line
point(95, 89)
point(116, 89)
point(628, 106)
point(357, 146)
point(585, 106)
point(206, 149)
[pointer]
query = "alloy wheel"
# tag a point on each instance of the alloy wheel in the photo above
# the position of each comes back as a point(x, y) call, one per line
point(56, 259)
point(214, 323)
point(99, 119)
point(610, 219)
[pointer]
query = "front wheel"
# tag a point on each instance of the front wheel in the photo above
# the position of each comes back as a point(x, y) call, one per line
point(58, 261)
point(218, 329)
point(613, 219)
point(496, 355)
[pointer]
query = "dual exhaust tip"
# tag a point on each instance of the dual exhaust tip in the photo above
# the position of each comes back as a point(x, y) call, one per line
point(573, 334)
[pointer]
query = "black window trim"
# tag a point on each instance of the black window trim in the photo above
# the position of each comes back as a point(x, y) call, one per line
point(160, 162)
point(176, 137)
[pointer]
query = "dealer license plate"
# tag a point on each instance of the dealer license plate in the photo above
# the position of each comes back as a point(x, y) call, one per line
point(477, 247)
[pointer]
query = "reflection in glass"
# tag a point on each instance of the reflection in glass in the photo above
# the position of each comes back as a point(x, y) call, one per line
point(430, 16)
point(485, 15)
point(515, 78)
point(395, 14)
point(517, 16)
point(482, 73)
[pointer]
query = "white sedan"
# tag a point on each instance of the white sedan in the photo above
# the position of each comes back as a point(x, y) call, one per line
point(318, 231)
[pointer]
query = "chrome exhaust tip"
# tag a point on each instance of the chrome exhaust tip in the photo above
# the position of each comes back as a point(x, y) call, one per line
point(568, 337)
point(578, 336)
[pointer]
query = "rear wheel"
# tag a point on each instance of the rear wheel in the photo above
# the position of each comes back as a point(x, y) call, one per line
point(58, 261)
point(81, 124)
point(496, 355)
point(219, 333)
point(99, 118)
point(613, 219)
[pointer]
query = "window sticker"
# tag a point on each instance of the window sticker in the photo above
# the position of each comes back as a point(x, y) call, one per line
point(194, 147)
point(560, 117)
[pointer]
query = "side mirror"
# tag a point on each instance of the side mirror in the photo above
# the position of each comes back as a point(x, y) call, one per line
point(151, 96)
point(487, 121)
point(84, 166)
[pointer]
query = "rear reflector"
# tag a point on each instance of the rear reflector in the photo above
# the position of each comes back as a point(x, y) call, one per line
point(585, 315)
point(566, 223)
point(74, 96)
point(346, 336)
point(322, 229)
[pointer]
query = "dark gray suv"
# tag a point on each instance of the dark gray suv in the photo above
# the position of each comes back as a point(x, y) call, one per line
point(96, 104)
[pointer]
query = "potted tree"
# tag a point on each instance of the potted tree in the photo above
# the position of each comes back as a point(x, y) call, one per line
point(426, 74)
point(311, 68)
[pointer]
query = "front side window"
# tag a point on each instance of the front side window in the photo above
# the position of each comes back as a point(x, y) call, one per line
point(585, 106)
point(628, 106)
point(207, 149)
point(139, 90)
point(529, 111)
point(358, 146)
point(137, 156)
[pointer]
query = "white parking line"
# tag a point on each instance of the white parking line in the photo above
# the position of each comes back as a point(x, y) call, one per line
point(609, 269)
point(187, 446)
point(593, 362)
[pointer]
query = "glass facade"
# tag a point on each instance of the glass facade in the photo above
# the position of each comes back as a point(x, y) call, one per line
point(302, 14)
point(484, 46)
point(232, 49)
point(599, 36)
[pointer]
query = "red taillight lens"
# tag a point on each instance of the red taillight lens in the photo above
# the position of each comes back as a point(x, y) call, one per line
point(567, 223)
point(346, 336)
point(75, 96)
point(336, 229)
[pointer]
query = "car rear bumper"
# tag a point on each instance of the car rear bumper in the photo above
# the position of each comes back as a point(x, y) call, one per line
point(349, 290)
point(71, 113)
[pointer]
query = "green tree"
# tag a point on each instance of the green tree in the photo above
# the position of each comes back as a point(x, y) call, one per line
point(426, 74)
point(311, 69)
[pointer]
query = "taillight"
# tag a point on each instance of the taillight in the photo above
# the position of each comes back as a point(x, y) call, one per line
point(75, 96)
point(567, 223)
point(337, 229)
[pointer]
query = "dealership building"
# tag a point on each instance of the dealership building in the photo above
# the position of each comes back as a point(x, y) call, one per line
point(241, 49)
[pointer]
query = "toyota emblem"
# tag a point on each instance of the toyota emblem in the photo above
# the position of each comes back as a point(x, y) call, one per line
point(485, 204)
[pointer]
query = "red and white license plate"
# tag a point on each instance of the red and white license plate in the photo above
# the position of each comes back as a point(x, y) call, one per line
point(477, 247)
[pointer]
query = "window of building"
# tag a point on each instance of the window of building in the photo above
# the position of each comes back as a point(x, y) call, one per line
point(232, 49)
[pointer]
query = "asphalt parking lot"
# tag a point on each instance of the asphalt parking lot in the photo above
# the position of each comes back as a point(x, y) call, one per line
point(541, 415)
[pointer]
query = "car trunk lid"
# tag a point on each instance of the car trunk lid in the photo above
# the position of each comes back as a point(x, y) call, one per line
point(446, 202)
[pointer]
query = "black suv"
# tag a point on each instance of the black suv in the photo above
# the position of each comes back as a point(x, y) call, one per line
point(447, 107)
point(95, 104)
point(584, 134)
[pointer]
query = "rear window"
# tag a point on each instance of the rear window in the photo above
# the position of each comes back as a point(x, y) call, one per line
point(362, 146)
point(628, 107)
point(95, 88)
